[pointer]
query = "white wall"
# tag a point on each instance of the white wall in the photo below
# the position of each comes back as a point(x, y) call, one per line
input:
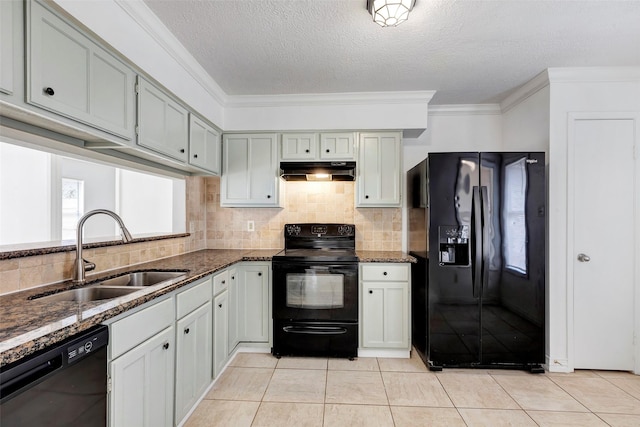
point(575, 90)
point(525, 126)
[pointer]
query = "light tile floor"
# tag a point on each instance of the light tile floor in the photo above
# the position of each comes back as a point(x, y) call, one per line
point(260, 390)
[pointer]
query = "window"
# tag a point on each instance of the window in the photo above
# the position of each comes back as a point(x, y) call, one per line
point(44, 194)
point(72, 206)
point(515, 229)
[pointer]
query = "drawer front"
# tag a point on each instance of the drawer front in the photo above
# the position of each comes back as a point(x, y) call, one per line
point(192, 298)
point(385, 272)
point(132, 330)
point(220, 282)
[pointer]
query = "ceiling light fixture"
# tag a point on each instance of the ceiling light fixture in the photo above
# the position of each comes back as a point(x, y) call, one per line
point(390, 13)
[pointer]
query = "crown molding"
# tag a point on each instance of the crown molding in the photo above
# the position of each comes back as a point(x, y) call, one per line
point(320, 99)
point(149, 22)
point(525, 91)
point(593, 74)
point(464, 109)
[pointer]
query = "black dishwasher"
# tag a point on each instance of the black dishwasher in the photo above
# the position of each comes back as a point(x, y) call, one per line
point(61, 385)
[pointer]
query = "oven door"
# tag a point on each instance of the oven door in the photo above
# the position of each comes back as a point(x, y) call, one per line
point(315, 291)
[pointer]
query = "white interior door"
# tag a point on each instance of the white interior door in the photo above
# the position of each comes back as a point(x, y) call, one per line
point(605, 194)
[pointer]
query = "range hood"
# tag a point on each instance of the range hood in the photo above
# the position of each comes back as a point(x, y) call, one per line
point(318, 171)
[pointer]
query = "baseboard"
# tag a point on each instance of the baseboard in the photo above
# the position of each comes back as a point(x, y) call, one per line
point(384, 352)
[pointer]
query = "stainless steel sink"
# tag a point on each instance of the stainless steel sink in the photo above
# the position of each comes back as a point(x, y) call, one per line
point(91, 293)
point(142, 278)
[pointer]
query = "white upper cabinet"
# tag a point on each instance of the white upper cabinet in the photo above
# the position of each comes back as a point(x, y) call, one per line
point(204, 145)
point(7, 46)
point(299, 146)
point(250, 170)
point(163, 124)
point(320, 147)
point(379, 162)
point(337, 146)
point(72, 76)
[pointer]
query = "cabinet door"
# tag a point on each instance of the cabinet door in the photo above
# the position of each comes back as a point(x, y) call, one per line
point(249, 172)
point(234, 310)
point(204, 145)
point(299, 146)
point(162, 122)
point(7, 45)
point(193, 358)
point(379, 170)
point(71, 75)
point(385, 315)
point(253, 295)
point(221, 331)
point(142, 384)
point(337, 146)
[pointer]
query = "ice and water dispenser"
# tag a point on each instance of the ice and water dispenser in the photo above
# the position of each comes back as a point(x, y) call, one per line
point(454, 245)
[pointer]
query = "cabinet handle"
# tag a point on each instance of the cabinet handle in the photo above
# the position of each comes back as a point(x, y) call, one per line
point(182, 150)
point(220, 305)
point(49, 91)
point(384, 273)
point(166, 345)
point(195, 156)
point(259, 273)
point(186, 330)
point(370, 291)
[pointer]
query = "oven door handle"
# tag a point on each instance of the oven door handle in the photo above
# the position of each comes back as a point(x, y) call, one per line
point(315, 330)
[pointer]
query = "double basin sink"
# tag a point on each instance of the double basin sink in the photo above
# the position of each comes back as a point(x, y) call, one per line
point(114, 287)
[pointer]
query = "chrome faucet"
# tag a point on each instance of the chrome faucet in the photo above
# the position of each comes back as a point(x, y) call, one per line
point(81, 265)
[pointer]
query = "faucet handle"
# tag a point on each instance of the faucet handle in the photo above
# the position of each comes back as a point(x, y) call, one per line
point(88, 265)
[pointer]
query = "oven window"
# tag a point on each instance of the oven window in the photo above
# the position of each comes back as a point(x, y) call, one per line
point(315, 291)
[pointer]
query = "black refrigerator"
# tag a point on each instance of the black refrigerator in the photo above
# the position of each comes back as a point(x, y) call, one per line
point(476, 225)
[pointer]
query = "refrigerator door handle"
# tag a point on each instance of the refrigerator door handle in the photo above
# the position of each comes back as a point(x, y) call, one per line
point(476, 214)
point(486, 224)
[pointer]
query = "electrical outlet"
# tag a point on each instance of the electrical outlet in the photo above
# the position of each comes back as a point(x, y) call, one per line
point(251, 226)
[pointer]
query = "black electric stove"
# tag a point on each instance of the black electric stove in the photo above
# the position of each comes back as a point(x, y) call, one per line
point(315, 291)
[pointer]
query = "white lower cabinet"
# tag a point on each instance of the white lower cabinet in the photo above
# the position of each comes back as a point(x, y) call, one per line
point(253, 301)
point(142, 383)
point(234, 309)
point(193, 358)
point(221, 331)
point(385, 312)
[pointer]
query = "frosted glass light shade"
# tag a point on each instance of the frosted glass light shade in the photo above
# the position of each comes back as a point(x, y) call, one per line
point(390, 13)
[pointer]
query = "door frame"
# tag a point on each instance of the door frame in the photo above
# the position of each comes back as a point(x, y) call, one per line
point(573, 118)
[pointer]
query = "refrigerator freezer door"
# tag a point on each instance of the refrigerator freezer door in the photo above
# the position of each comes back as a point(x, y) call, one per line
point(452, 308)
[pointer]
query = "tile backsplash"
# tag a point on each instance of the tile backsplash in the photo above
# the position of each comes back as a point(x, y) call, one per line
point(214, 227)
point(376, 228)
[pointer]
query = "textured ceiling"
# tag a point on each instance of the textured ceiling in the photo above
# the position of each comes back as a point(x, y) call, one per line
point(470, 52)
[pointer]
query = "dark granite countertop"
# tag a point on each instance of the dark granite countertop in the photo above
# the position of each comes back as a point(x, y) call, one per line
point(28, 325)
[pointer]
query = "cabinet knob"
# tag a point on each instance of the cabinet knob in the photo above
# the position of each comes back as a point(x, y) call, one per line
point(306, 151)
point(370, 291)
point(166, 345)
point(268, 196)
point(49, 91)
point(233, 277)
point(182, 150)
point(328, 151)
point(366, 197)
point(220, 305)
point(195, 156)
point(384, 273)
point(186, 330)
point(224, 281)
